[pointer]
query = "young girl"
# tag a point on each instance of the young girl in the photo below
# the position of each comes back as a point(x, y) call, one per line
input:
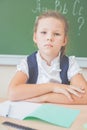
point(48, 75)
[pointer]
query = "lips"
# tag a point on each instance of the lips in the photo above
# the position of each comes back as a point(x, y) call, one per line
point(49, 45)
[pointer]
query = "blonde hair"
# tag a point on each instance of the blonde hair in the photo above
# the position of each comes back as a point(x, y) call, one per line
point(53, 14)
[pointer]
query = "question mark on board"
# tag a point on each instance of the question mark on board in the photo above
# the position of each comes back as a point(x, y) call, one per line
point(81, 21)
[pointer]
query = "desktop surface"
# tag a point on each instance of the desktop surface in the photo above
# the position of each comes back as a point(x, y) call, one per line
point(78, 124)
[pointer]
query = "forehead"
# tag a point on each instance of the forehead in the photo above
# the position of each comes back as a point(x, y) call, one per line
point(51, 23)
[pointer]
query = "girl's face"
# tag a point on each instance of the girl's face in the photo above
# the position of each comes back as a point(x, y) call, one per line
point(50, 36)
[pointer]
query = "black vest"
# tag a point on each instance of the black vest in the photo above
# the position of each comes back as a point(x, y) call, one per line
point(33, 68)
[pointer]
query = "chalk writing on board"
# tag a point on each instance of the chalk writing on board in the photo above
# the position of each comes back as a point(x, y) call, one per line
point(76, 10)
point(61, 7)
point(81, 21)
point(39, 8)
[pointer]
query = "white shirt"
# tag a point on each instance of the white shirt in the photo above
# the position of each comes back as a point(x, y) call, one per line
point(50, 73)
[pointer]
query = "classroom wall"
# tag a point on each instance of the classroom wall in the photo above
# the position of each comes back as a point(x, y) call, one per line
point(7, 72)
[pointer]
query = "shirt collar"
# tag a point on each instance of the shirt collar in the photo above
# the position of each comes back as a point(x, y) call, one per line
point(55, 61)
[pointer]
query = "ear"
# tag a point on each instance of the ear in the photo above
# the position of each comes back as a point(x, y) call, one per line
point(65, 40)
point(34, 38)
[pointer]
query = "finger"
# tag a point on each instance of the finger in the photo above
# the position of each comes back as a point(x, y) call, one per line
point(77, 89)
point(63, 91)
point(73, 92)
point(67, 95)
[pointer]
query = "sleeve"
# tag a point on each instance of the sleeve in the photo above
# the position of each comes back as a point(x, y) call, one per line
point(73, 67)
point(22, 66)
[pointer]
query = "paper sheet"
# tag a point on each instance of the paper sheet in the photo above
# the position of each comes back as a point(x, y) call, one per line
point(18, 110)
point(4, 107)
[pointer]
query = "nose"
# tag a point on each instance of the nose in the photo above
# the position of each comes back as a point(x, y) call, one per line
point(49, 37)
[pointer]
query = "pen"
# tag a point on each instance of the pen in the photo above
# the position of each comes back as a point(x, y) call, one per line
point(9, 109)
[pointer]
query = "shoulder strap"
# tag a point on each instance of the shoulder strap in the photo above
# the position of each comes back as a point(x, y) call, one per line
point(64, 65)
point(33, 68)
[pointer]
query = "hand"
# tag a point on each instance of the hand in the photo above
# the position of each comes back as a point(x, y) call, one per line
point(68, 90)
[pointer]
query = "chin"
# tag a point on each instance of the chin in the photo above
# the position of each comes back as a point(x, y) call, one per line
point(49, 53)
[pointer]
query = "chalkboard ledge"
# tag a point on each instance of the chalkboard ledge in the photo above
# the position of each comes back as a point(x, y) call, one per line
point(15, 59)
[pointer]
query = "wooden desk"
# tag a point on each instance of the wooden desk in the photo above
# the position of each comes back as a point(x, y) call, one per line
point(40, 125)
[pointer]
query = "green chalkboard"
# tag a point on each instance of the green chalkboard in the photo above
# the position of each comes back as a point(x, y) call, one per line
point(17, 19)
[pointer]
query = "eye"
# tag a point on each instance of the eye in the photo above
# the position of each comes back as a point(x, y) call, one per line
point(56, 34)
point(43, 32)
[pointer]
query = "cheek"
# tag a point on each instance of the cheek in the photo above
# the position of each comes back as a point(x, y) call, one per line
point(58, 43)
point(61, 41)
point(39, 40)
point(58, 46)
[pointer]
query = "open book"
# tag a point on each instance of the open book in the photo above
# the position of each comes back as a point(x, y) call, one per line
point(54, 114)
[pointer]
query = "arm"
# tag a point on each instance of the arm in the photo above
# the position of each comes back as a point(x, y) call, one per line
point(78, 81)
point(19, 90)
point(51, 98)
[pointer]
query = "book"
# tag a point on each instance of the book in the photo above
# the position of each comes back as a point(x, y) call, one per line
point(51, 113)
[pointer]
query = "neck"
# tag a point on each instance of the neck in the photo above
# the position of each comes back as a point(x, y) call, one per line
point(48, 58)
